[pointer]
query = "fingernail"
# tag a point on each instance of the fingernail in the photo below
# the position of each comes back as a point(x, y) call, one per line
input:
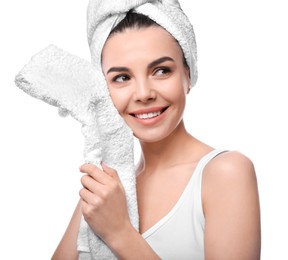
point(104, 164)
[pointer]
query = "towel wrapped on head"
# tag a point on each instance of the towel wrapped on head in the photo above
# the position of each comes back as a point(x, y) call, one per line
point(78, 87)
point(103, 16)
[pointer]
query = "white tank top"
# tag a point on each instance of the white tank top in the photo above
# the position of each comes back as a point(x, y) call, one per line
point(180, 234)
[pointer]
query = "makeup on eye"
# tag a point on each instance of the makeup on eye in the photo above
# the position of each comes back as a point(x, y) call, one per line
point(121, 78)
point(162, 71)
point(150, 66)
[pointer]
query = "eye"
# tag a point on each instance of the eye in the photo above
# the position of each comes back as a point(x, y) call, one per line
point(120, 78)
point(163, 71)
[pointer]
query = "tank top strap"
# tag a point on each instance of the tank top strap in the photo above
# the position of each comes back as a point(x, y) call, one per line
point(205, 160)
point(196, 185)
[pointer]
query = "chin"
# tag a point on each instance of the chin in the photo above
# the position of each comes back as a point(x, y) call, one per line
point(150, 137)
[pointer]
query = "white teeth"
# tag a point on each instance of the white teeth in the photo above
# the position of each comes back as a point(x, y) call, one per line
point(149, 115)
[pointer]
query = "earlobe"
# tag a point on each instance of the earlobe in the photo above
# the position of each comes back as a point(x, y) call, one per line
point(189, 88)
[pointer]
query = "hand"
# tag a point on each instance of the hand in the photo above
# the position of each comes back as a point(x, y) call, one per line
point(103, 201)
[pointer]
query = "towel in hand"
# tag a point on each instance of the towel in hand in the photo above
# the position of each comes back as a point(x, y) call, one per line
point(104, 15)
point(79, 88)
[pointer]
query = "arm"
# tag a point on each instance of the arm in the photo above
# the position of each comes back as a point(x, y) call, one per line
point(231, 208)
point(67, 248)
point(131, 245)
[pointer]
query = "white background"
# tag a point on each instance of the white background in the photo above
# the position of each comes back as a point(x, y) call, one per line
point(240, 103)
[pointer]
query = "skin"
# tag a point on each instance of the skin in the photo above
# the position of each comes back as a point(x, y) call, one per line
point(145, 75)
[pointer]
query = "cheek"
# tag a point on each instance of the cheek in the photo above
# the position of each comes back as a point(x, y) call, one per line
point(176, 91)
point(120, 99)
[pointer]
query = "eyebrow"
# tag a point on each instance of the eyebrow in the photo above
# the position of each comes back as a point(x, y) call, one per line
point(159, 61)
point(150, 65)
point(117, 69)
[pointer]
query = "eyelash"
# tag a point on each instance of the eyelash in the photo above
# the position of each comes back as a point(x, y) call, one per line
point(125, 77)
point(165, 70)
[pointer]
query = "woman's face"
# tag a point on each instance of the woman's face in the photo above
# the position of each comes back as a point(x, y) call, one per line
point(147, 80)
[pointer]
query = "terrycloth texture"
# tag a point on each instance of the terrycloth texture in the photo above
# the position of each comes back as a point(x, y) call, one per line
point(77, 88)
point(104, 15)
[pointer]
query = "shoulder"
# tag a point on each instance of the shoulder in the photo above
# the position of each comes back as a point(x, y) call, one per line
point(229, 173)
point(227, 165)
point(231, 208)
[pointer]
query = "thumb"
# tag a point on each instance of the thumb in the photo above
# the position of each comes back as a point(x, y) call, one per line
point(110, 171)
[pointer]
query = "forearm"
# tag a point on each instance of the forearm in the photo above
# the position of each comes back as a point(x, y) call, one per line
point(67, 248)
point(131, 245)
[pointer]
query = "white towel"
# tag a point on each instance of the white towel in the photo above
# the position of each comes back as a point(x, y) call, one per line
point(104, 15)
point(79, 88)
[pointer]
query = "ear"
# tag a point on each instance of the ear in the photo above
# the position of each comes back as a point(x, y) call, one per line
point(188, 79)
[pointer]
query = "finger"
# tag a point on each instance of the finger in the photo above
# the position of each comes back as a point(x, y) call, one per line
point(89, 183)
point(86, 209)
point(110, 171)
point(88, 168)
point(95, 173)
point(87, 196)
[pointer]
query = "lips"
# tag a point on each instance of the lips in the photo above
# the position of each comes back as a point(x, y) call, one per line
point(149, 113)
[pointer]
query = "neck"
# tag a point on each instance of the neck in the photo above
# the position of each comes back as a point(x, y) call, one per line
point(167, 152)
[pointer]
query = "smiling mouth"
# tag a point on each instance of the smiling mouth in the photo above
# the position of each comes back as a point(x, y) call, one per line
point(150, 115)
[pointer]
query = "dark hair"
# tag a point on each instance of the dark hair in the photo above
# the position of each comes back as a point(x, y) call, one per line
point(133, 20)
point(136, 20)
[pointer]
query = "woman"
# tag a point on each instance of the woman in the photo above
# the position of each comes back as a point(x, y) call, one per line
point(193, 200)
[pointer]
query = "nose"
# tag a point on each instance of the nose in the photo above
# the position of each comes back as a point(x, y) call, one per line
point(144, 91)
